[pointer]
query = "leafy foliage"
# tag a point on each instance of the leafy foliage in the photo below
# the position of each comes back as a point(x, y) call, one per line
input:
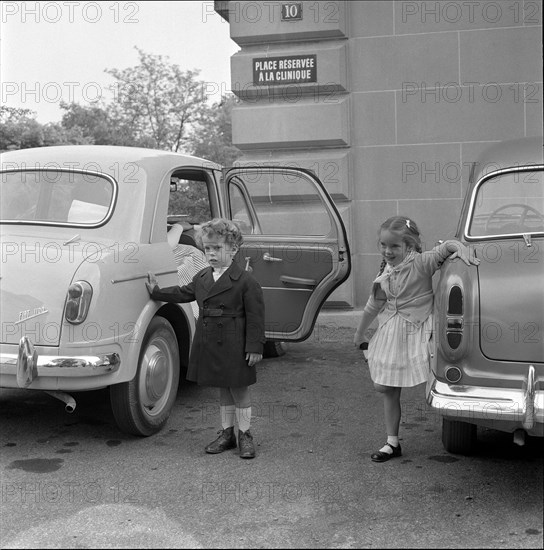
point(212, 139)
point(158, 100)
point(20, 130)
point(157, 105)
point(92, 122)
point(191, 198)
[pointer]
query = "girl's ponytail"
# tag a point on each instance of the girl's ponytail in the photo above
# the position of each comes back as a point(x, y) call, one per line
point(376, 286)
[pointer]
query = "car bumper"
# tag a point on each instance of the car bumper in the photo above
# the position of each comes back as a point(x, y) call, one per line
point(496, 407)
point(27, 367)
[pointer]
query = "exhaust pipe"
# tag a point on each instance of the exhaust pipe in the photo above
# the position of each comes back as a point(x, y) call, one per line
point(519, 437)
point(70, 402)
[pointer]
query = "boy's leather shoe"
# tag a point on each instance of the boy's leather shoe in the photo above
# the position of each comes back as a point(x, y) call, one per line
point(226, 441)
point(245, 444)
point(380, 456)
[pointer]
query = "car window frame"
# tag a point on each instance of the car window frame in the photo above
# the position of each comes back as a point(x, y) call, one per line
point(93, 173)
point(472, 199)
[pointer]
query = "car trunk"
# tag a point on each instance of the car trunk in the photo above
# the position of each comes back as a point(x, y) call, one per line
point(36, 274)
point(511, 277)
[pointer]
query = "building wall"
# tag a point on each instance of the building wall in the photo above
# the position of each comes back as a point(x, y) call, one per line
point(407, 94)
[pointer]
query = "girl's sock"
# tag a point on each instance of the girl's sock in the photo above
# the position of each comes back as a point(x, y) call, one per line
point(392, 440)
point(227, 415)
point(243, 417)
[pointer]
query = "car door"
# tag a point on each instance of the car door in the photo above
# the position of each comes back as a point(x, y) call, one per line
point(295, 243)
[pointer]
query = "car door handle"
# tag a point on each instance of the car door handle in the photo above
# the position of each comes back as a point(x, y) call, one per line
point(297, 281)
point(268, 258)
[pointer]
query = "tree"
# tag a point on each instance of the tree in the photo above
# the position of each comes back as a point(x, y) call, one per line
point(158, 101)
point(212, 137)
point(97, 125)
point(157, 106)
point(20, 130)
point(93, 122)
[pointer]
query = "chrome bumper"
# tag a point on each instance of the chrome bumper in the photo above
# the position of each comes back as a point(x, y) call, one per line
point(524, 406)
point(27, 365)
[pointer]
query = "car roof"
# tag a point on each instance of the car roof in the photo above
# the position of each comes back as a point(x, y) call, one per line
point(507, 154)
point(499, 156)
point(126, 165)
point(101, 158)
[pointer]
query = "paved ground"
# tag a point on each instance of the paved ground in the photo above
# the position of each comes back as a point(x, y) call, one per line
point(75, 481)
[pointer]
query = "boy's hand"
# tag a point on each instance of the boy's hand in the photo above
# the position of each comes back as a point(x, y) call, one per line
point(253, 358)
point(153, 282)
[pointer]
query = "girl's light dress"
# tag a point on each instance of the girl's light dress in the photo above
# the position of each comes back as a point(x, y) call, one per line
point(398, 354)
point(399, 351)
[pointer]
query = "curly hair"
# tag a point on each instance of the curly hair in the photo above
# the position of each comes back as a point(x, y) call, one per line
point(223, 228)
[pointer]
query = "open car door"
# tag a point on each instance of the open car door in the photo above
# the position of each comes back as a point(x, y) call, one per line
point(295, 243)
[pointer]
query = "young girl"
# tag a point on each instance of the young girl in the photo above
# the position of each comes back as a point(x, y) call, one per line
point(189, 259)
point(229, 335)
point(402, 299)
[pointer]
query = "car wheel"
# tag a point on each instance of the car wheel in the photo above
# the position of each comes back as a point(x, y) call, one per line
point(458, 437)
point(142, 406)
point(273, 349)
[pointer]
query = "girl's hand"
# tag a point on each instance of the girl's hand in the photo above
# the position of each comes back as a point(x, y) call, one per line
point(174, 234)
point(253, 358)
point(186, 226)
point(153, 282)
point(466, 254)
point(358, 339)
point(364, 348)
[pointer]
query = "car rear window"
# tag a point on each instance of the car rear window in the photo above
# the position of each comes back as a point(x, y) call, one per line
point(55, 197)
point(508, 203)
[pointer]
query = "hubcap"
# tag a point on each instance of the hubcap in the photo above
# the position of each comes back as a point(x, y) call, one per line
point(155, 376)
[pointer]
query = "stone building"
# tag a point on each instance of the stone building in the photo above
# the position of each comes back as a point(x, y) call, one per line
point(387, 101)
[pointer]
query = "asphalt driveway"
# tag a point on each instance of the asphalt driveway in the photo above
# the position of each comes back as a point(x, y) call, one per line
point(75, 481)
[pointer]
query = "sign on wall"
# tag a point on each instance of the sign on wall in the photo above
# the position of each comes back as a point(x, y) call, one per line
point(291, 69)
point(291, 11)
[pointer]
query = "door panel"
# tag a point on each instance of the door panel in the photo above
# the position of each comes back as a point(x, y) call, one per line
point(294, 243)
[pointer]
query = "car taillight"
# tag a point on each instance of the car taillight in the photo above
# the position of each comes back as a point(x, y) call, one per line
point(78, 302)
point(454, 322)
point(453, 374)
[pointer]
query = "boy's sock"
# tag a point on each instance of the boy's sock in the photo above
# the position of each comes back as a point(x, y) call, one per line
point(243, 417)
point(392, 440)
point(227, 415)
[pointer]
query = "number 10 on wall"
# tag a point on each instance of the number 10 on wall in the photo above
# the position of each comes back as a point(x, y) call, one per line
point(291, 12)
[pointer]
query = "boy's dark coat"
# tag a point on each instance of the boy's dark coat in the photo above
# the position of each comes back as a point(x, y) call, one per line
point(230, 324)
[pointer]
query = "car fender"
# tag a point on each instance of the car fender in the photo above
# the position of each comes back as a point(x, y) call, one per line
point(151, 310)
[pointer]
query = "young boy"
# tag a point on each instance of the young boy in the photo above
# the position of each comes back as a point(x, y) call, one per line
point(229, 335)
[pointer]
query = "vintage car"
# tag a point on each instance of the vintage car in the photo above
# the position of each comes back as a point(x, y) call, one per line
point(81, 228)
point(487, 366)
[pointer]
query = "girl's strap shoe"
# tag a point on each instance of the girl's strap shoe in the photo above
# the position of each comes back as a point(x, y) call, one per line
point(380, 456)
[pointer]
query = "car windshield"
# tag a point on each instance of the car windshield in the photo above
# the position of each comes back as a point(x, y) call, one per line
point(54, 197)
point(509, 203)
